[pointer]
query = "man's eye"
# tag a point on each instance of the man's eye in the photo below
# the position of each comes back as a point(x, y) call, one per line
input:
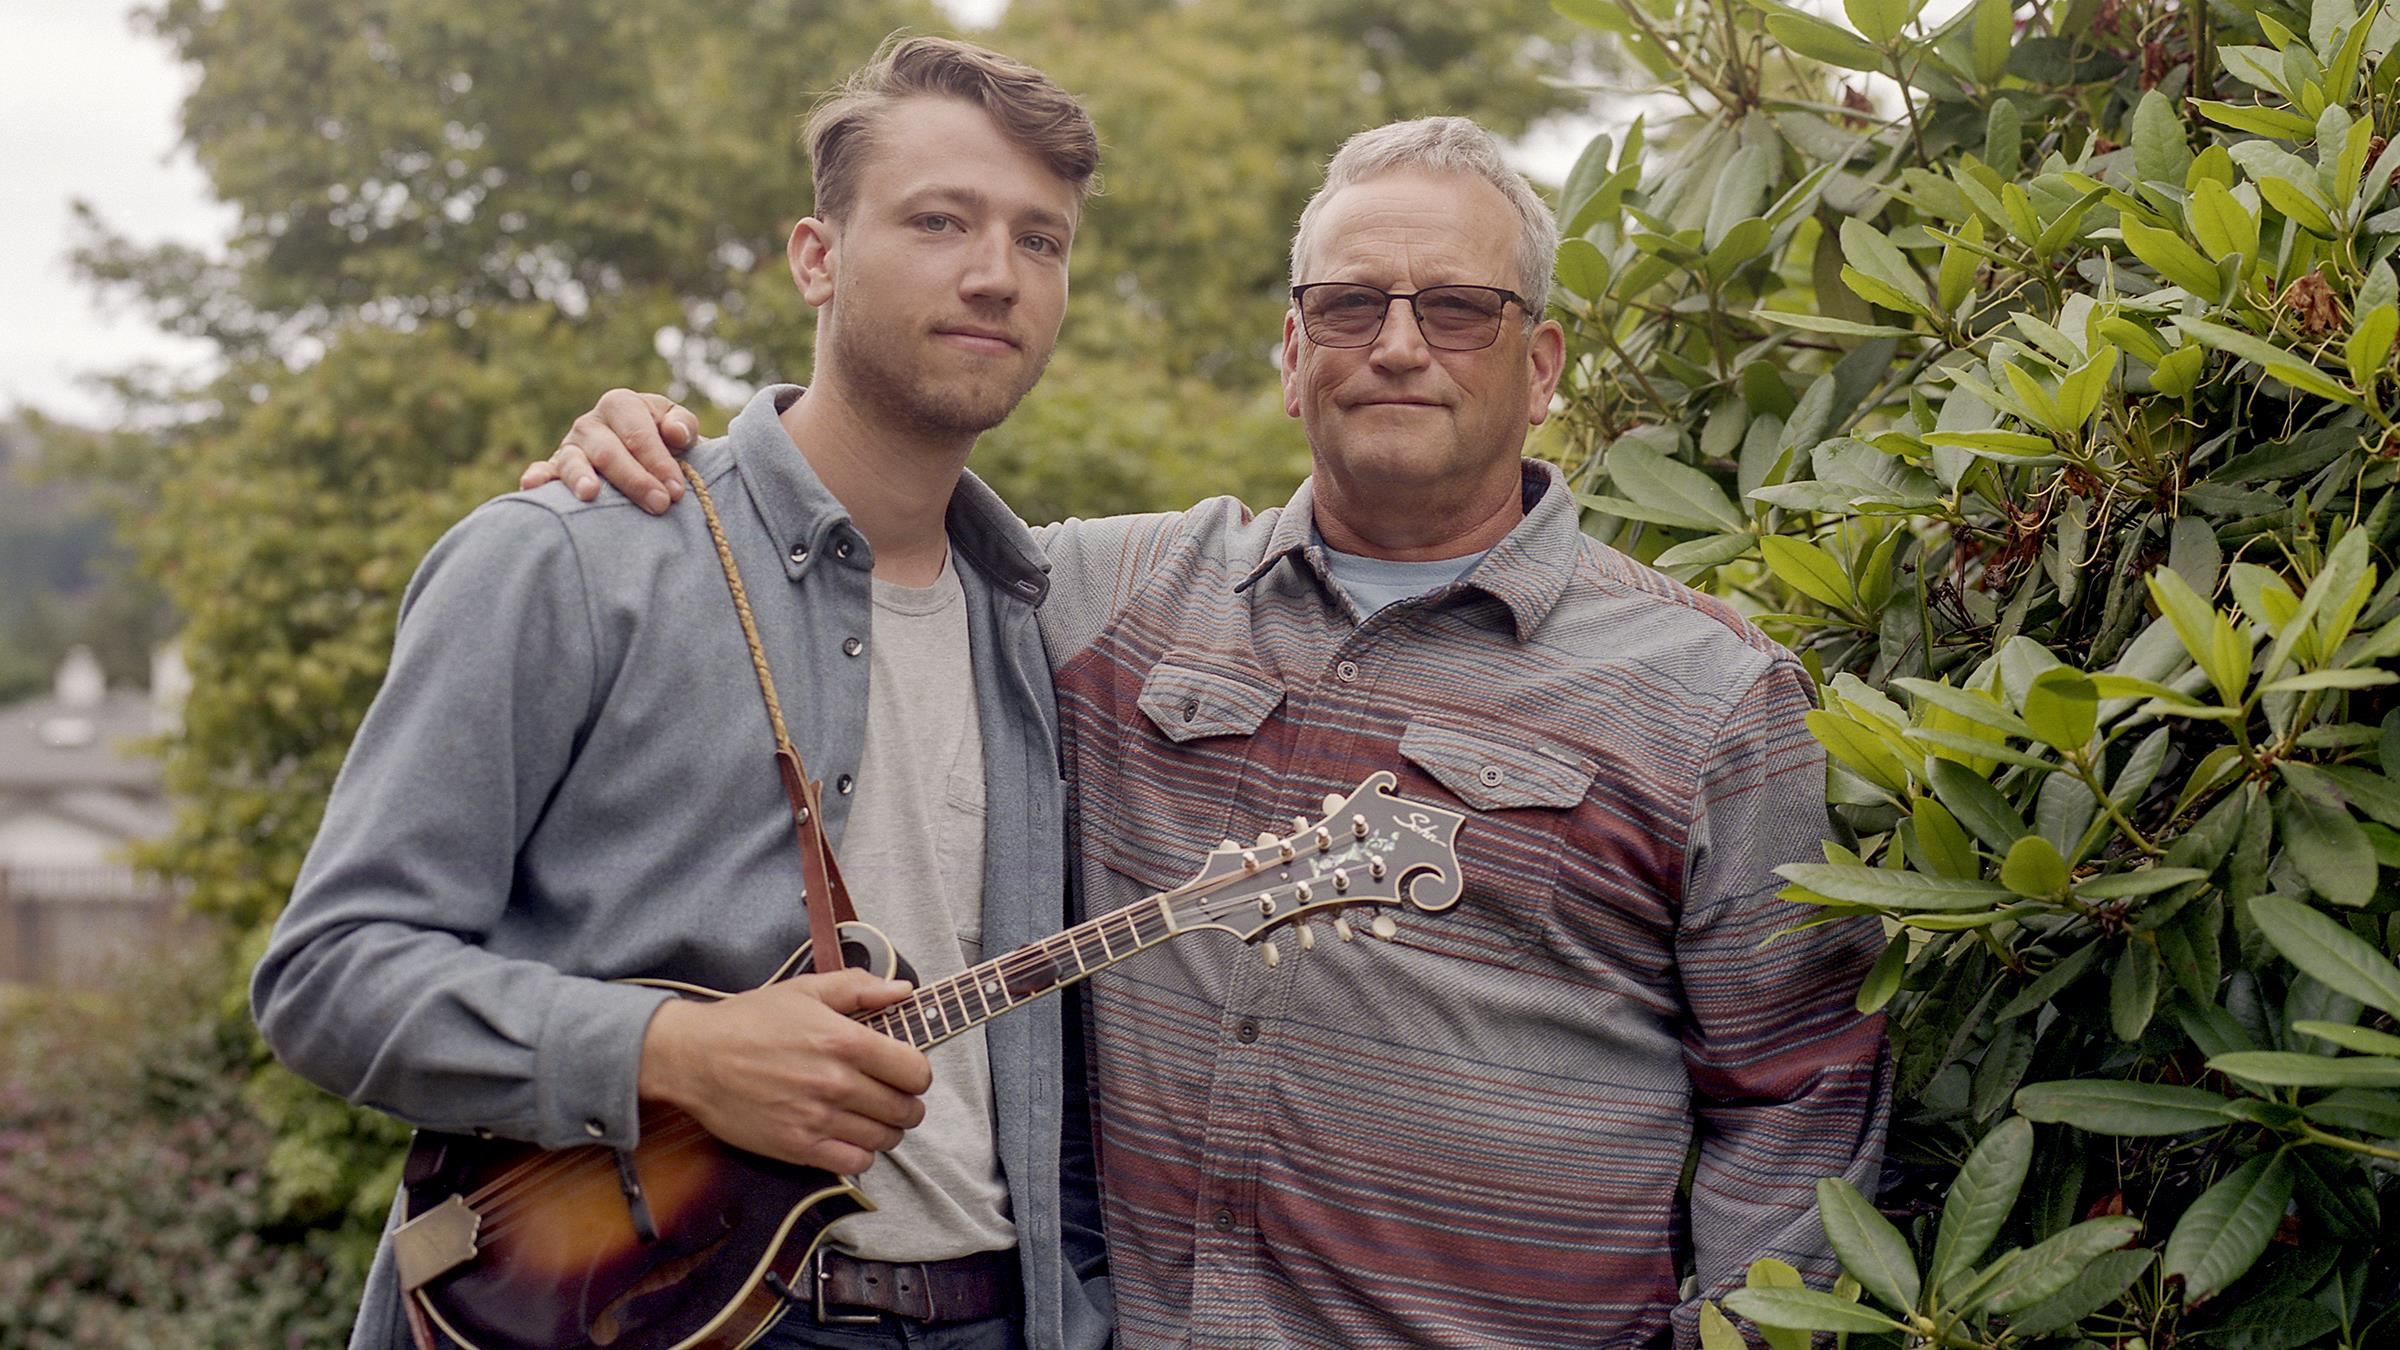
point(936, 224)
point(1041, 243)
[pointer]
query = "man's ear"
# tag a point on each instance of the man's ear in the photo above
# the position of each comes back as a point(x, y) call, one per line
point(1546, 359)
point(1289, 366)
point(810, 253)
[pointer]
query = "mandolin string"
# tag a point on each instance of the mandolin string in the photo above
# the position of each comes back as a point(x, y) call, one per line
point(530, 1181)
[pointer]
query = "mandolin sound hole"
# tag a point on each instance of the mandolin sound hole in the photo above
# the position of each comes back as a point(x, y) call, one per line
point(609, 1325)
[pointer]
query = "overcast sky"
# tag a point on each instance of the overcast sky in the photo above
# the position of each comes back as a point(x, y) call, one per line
point(89, 112)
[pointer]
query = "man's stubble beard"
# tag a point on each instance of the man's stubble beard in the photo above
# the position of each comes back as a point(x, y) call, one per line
point(887, 382)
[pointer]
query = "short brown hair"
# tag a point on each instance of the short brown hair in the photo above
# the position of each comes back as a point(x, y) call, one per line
point(1029, 107)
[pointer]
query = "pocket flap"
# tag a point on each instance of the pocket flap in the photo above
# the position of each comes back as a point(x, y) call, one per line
point(1188, 703)
point(1490, 775)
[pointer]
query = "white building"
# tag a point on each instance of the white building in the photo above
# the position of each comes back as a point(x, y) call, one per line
point(76, 792)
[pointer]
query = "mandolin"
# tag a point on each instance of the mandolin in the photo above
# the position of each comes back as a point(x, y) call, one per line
point(688, 1243)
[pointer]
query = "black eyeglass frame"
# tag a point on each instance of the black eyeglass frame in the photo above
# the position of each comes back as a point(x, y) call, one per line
point(1415, 309)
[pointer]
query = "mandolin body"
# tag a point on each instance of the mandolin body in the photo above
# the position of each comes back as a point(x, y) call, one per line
point(557, 1261)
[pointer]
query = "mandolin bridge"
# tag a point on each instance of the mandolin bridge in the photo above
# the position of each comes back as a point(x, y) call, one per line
point(435, 1242)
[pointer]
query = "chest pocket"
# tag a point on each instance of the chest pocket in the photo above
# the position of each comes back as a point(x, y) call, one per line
point(1181, 770)
point(1520, 799)
point(1189, 704)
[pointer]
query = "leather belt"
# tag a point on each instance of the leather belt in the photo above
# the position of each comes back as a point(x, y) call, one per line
point(962, 1289)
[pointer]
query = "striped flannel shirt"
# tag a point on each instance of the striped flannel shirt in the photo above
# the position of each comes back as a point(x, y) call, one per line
point(1473, 1134)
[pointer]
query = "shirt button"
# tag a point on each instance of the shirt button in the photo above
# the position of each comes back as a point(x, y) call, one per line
point(1248, 1031)
point(1346, 671)
point(852, 646)
point(843, 784)
point(799, 554)
point(1491, 776)
point(595, 1129)
point(1191, 709)
point(842, 549)
point(1224, 1220)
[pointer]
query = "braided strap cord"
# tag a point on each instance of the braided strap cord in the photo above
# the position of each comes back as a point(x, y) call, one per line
point(828, 898)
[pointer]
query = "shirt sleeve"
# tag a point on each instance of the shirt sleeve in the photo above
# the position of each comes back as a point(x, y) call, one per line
point(1095, 568)
point(1790, 1082)
point(380, 982)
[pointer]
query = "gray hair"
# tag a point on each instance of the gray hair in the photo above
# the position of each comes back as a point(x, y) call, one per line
point(1443, 145)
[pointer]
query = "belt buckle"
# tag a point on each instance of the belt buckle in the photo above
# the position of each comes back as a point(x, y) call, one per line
point(816, 1263)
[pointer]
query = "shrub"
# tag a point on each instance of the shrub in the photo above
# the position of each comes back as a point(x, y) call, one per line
point(2032, 374)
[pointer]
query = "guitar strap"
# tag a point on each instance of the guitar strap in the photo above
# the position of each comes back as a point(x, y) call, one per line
point(827, 895)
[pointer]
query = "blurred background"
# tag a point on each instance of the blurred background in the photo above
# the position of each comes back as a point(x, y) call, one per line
point(297, 282)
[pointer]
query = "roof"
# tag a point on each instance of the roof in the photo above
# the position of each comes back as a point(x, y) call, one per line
point(52, 745)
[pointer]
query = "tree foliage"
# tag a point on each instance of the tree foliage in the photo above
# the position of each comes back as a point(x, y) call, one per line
point(2032, 373)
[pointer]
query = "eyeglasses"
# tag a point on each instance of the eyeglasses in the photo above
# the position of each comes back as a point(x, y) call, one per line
point(1452, 318)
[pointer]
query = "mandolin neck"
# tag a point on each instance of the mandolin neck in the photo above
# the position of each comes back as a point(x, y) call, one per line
point(951, 1007)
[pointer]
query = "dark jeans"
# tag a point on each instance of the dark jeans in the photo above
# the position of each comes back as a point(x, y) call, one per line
point(798, 1330)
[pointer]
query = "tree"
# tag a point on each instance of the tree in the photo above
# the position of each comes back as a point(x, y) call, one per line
point(2039, 389)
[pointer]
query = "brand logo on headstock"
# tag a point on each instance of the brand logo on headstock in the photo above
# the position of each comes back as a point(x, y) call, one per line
point(1421, 825)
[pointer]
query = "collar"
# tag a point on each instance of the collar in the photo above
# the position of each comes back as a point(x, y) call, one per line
point(809, 523)
point(1527, 571)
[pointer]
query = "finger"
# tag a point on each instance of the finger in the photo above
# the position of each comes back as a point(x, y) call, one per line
point(535, 475)
point(676, 424)
point(574, 468)
point(896, 1063)
point(858, 1131)
point(851, 990)
point(888, 1107)
point(652, 465)
point(834, 1156)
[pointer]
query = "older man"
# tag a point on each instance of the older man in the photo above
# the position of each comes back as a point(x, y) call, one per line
point(1478, 1133)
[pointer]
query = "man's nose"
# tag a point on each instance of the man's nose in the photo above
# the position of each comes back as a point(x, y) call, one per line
point(1401, 345)
point(991, 272)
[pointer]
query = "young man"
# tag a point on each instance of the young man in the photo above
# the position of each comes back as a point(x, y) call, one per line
point(543, 801)
point(1474, 1135)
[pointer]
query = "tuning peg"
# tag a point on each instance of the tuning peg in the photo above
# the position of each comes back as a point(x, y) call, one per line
point(1229, 846)
point(1265, 837)
point(1271, 954)
point(1358, 826)
point(1375, 869)
point(1308, 938)
point(1299, 824)
point(1342, 928)
point(1384, 927)
point(1333, 802)
point(1341, 879)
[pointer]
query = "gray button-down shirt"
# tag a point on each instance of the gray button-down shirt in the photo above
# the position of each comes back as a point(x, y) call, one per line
point(568, 780)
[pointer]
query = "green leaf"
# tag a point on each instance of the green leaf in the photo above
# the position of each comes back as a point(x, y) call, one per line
point(2370, 344)
point(1883, 979)
point(2297, 205)
point(2203, 631)
point(1651, 479)
point(1821, 41)
point(2221, 223)
point(2047, 985)
point(1705, 553)
point(2357, 1040)
point(2168, 255)
point(2221, 1236)
point(1717, 1332)
point(2034, 868)
point(2161, 152)
point(2011, 443)
point(1869, 1247)
point(2062, 707)
point(1978, 747)
point(1879, 20)
point(1870, 252)
point(1809, 570)
point(1978, 805)
point(1897, 890)
point(2130, 1110)
point(2052, 1264)
point(2367, 790)
point(2133, 989)
point(1806, 1310)
point(2141, 881)
point(1582, 268)
point(2327, 952)
point(2284, 1068)
point(2108, 1276)
point(1941, 843)
point(2322, 839)
point(2329, 679)
point(1820, 323)
point(2285, 365)
point(1973, 704)
point(2258, 121)
point(1993, 25)
point(1859, 748)
point(1980, 1199)
point(2374, 1114)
